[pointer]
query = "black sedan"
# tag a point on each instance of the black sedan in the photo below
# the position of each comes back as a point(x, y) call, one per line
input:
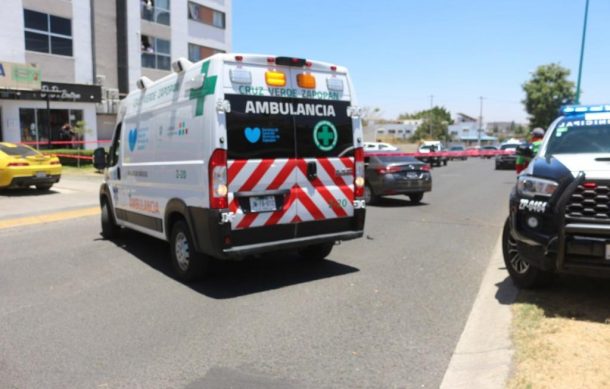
point(394, 174)
point(504, 161)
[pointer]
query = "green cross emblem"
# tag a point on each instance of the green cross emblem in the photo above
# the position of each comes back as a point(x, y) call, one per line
point(325, 135)
point(208, 88)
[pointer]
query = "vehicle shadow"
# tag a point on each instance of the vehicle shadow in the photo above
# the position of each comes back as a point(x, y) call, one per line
point(570, 297)
point(27, 192)
point(230, 279)
point(393, 202)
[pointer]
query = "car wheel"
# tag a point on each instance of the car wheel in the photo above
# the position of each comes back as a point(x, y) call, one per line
point(416, 197)
point(497, 167)
point(188, 264)
point(110, 229)
point(521, 272)
point(316, 252)
point(445, 162)
point(369, 195)
point(43, 187)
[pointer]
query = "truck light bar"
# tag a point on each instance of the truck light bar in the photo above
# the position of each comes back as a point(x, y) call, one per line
point(576, 109)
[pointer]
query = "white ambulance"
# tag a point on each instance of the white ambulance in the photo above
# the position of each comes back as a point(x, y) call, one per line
point(237, 155)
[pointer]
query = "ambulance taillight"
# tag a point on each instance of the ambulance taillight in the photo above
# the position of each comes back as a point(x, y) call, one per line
point(218, 179)
point(359, 172)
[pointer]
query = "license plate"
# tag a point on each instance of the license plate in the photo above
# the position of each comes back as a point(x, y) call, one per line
point(412, 176)
point(607, 252)
point(262, 204)
point(41, 175)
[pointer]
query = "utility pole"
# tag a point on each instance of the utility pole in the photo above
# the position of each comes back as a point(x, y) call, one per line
point(582, 52)
point(480, 121)
point(431, 101)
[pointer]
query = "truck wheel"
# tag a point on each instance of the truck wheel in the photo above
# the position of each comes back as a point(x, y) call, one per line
point(188, 264)
point(416, 197)
point(316, 252)
point(523, 274)
point(369, 195)
point(110, 229)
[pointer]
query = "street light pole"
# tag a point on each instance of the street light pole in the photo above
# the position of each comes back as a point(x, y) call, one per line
point(582, 52)
point(480, 122)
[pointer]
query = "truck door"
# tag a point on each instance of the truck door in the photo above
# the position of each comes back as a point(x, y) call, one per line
point(325, 157)
point(261, 166)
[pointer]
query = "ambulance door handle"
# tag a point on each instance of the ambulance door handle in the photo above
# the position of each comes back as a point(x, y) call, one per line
point(312, 170)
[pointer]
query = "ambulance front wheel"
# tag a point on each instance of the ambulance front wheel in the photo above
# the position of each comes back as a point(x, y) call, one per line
point(188, 264)
point(110, 229)
point(316, 252)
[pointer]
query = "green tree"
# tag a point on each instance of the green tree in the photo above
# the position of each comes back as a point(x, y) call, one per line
point(434, 123)
point(546, 91)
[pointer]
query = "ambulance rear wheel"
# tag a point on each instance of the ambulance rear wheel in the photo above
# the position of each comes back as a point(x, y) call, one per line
point(188, 264)
point(316, 252)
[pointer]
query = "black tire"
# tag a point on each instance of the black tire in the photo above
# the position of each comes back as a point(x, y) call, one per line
point(369, 195)
point(416, 197)
point(110, 229)
point(316, 252)
point(445, 162)
point(497, 167)
point(43, 187)
point(522, 274)
point(188, 264)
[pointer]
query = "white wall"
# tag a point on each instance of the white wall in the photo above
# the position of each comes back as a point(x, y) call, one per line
point(81, 41)
point(12, 37)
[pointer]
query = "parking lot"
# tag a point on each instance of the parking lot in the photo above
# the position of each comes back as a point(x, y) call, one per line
point(382, 311)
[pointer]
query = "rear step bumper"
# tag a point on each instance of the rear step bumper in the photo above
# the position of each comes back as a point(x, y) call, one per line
point(240, 251)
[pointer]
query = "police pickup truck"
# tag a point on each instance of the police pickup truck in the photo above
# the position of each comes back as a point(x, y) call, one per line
point(559, 212)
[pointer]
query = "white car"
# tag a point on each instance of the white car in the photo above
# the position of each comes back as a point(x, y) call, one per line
point(378, 146)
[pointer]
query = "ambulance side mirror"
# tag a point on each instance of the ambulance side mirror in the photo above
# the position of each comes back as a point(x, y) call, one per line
point(524, 151)
point(99, 158)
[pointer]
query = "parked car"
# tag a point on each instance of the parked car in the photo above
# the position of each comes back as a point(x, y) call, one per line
point(488, 148)
point(379, 146)
point(432, 147)
point(458, 148)
point(506, 161)
point(21, 166)
point(395, 173)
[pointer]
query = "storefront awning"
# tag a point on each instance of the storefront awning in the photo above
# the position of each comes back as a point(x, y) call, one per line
point(57, 91)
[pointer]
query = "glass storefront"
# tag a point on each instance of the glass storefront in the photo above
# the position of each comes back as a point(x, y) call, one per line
point(40, 125)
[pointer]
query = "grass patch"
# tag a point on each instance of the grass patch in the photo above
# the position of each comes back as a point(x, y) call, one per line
point(562, 336)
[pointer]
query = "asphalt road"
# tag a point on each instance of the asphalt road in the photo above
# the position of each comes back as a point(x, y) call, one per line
point(383, 311)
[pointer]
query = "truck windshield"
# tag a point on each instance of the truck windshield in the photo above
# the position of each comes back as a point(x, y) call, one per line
point(579, 136)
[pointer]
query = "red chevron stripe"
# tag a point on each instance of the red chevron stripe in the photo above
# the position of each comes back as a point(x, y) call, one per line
point(332, 173)
point(323, 191)
point(347, 162)
point(282, 175)
point(257, 174)
point(235, 167)
point(296, 219)
point(247, 220)
point(309, 205)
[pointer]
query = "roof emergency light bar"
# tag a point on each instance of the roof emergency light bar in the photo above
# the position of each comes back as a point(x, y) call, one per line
point(577, 109)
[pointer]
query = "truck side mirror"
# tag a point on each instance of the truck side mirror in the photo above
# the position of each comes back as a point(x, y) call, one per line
point(99, 158)
point(524, 151)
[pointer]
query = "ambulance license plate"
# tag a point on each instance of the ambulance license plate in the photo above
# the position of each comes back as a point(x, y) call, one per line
point(262, 204)
point(607, 252)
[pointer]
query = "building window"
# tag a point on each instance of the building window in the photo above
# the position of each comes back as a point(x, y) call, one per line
point(155, 53)
point(197, 52)
point(47, 33)
point(156, 11)
point(35, 124)
point(202, 14)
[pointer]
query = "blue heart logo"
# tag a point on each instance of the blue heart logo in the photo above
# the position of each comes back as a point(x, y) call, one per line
point(133, 138)
point(252, 134)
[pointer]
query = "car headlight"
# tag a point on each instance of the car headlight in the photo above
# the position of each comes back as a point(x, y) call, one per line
point(531, 186)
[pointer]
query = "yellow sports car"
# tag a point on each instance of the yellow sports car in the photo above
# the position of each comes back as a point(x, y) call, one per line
point(22, 166)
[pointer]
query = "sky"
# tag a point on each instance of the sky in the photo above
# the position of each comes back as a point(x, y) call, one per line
point(402, 52)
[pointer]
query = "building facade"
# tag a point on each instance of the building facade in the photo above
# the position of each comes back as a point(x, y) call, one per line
point(468, 131)
point(71, 61)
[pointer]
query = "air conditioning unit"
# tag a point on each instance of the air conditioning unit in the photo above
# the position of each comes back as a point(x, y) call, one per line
point(99, 79)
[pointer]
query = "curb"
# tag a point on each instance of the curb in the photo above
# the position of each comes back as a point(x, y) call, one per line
point(483, 355)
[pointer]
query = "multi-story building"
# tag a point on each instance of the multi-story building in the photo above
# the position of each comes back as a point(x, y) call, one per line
point(65, 61)
point(467, 130)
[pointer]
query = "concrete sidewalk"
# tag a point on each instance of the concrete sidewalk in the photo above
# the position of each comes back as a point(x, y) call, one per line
point(483, 355)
